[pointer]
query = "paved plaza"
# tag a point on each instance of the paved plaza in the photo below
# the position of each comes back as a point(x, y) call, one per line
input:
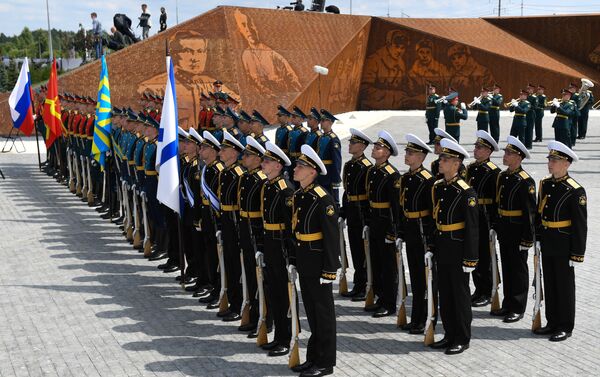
point(77, 300)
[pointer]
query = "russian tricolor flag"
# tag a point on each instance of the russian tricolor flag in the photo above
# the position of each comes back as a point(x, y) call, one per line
point(21, 106)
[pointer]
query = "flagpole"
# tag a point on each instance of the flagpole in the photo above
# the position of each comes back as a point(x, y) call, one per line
point(49, 31)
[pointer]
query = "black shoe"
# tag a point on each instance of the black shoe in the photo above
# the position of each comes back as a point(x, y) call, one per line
point(252, 335)
point(302, 367)
point(499, 313)
point(560, 336)
point(208, 299)
point(480, 301)
point(382, 312)
point(214, 304)
point(193, 288)
point(171, 269)
point(546, 330)
point(512, 317)
point(248, 327)
point(102, 209)
point(202, 292)
point(444, 343)
point(417, 329)
point(188, 279)
point(158, 255)
point(315, 371)
point(279, 351)
point(352, 293)
point(407, 327)
point(107, 215)
point(372, 308)
point(224, 313)
point(231, 317)
point(269, 346)
point(456, 349)
point(163, 266)
point(358, 297)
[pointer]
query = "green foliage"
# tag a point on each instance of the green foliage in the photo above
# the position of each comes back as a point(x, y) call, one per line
point(34, 44)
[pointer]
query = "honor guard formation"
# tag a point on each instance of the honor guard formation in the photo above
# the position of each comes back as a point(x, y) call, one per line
point(261, 216)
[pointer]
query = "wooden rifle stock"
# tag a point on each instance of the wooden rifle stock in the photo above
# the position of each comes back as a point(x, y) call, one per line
point(495, 273)
point(401, 319)
point(262, 304)
point(223, 300)
point(343, 288)
point(538, 293)
point(294, 356)
point(370, 296)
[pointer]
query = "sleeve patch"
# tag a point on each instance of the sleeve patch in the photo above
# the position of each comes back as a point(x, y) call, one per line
point(472, 202)
point(582, 200)
point(397, 184)
point(289, 202)
point(330, 210)
point(532, 189)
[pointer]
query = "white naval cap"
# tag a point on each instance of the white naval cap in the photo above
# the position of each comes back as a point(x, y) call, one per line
point(441, 134)
point(275, 153)
point(194, 134)
point(182, 132)
point(359, 137)
point(453, 149)
point(310, 158)
point(560, 151)
point(211, 141)
point(486, 140)
point(231, 142)
point(515, 145)
point(386, 140)
point(253, 147)
point(415, 144)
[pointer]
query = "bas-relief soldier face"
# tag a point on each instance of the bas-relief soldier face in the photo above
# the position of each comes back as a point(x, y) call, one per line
point(246, 27)
point(458, 61)
point(192, 55)
point(397, 50)
point(424, 56)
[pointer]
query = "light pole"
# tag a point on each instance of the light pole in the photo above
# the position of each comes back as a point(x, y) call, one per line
point(49, 31)
point(177, 11)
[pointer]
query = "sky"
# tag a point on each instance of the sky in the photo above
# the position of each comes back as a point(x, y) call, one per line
point(67, 14)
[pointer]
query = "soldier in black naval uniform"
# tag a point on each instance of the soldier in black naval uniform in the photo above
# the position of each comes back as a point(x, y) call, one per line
point(207, 220)
point(317, 253)
point(521, 108)
point(355, 207)
point(437, 149)
point(276, 206)
point(432, 111)
point(282, 132)
point(515, 197)
point(455, 237)
point(562, 231)
point(497, 101)
point(482, 175)
point(227, 193)
point(416, 215)
point(250, 222)
point(383, 185)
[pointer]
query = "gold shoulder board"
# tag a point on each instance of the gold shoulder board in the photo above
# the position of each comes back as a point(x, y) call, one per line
point(366, 162)
point(573, 184)
point(389, 169)
point(426, 174)
point(463, 184)
point(524, 174)
point(319, 190)
point(491, 165)
point(238, 170)
point(220, 166)
point(261, 175)
point(282, 184)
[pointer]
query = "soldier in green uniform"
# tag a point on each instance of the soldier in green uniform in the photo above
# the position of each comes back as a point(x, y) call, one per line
point(455, 236)
point(564, 111)
point(584, 111)
point(496, 102)
point(515, 197)
point(573, 129)
point(540, 105)
point(530, 117)
point(453, 113)
point(316, 254)
point(562, 232)
point(432, 111)
point(521, 108)
point(482, 175)
point(482, 105)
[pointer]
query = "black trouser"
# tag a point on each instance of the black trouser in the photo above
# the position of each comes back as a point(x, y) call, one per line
point(455, 303)
point(495, 126)
point(233, 267)
point(518, 130)
point(529, 129)
point(483, 125)
point(171, 236)
point(582, 122)
point(383, 262)
point(563, 135)
point(415, 255)
point(249, 255)
point(192, 241)
point(320, 313)
point(539, 116)
point(210, 258)
point(276, 286)
point(515, 274)
point(573, 129)
point(482, 275)
point(559, 292)
point(432, 124)
point(357, 246)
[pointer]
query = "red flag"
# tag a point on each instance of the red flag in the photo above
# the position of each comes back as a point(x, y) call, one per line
point(52, 111)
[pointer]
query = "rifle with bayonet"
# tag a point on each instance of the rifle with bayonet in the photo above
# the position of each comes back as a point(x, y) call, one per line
point(294, 358)
point(538, 294)
point(343, 288)
point(402, 291)
point(262, 304)
point(430, 321)
point(370, 295)
point(147, 244)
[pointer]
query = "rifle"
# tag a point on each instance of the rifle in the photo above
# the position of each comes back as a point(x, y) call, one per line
point(369, 298)
point(137, 234)
point(245, 299)
point(125, 203)
point(223, 301)
point(132, 220)
point(78, 174)
point(262, 304)
point(70, 167)
point(402, 293)
point(343, 288)
point(147, 245)
point(84, 188)
point(294, 358)
point(90, 191)
point(538, 294)
point(429, 325)
point(495, 272)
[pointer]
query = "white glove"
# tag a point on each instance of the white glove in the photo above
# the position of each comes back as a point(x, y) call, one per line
point(476, 100)
point(399, 243)
point(428, 256)
point(514, 103)
point(218, 234)
point(258, 255)
point(468, 270)
point(555, 103)
point(388, 241)
point(571, 264)
point(365, 231)
point(445, 101)
point(325, 281)
point(342, 222)
point(538, 245)
point(463, 106)
point(524, 248)
point(291, 268)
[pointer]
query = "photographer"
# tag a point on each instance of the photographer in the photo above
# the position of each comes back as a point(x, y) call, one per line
point(145, 22)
